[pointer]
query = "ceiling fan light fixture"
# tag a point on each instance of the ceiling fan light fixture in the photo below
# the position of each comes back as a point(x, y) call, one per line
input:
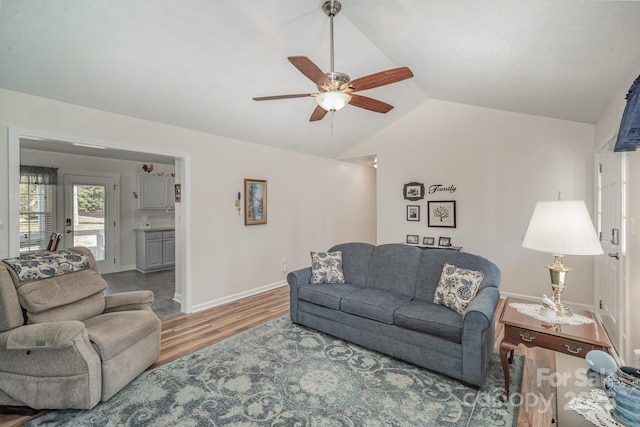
point(333, 100)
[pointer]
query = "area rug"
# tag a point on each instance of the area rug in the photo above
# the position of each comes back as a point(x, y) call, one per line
point(282, 374)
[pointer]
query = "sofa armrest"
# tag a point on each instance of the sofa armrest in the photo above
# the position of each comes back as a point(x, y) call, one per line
point(42, 335)
point(299, 277)
point(478, 335)
point(296, 279)
point(481, 309)
point(125, 301)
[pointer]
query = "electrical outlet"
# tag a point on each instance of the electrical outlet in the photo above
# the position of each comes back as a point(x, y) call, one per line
point(284, 265)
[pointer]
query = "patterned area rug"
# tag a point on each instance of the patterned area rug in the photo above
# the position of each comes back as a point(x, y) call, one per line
point(282, 374)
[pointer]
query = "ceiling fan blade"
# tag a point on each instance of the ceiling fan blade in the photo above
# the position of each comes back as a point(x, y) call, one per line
point(380, 79)
point(369, 104)
point(296, 95)
point(318, 114)
point(309, 69)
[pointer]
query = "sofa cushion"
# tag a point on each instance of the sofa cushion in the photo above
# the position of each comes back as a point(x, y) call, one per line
point(355, 261)
point(112, 333)
point(79, 310)
point(457, 287)
point(46, 294)
point(328, 295)
point(394, 268)
point(376, 304)
point(429, 318)
point(326, 267)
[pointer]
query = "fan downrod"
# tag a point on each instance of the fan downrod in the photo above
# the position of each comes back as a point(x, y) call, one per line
point(331, 7)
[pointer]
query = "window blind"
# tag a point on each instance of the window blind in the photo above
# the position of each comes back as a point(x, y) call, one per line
point(37, 206)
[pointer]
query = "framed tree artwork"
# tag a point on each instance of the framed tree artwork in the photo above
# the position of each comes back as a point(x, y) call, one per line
point(441, 213)
point(255, 201)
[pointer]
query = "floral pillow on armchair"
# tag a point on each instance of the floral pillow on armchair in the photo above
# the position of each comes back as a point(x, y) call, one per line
point(326, 267)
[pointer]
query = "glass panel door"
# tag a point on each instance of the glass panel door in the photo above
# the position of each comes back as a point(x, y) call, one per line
point(89, 203)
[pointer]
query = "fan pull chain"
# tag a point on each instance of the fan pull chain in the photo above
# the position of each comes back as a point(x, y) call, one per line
point(332, 113)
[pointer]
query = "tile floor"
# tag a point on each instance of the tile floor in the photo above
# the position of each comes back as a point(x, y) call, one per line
point(162, 283)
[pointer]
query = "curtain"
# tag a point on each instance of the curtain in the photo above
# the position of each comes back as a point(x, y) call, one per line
point(629, 133)
point(38, 175)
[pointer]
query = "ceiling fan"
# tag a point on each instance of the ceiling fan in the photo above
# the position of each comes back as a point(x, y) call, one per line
point(336, 90)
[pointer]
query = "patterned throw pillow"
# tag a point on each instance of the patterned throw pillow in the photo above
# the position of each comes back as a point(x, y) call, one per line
point(44, 264)
point(457, 287)
point(326, 267)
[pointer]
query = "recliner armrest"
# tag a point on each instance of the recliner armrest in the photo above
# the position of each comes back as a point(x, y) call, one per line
point(43, 335)
point(125, 301)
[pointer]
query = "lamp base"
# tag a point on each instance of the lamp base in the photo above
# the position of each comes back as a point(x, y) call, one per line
point(558, 272)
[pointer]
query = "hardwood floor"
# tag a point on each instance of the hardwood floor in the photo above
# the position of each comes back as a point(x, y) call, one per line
point(189, 332)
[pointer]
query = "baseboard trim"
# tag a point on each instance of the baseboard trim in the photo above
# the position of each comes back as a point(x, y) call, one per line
point(571, 304)
point(235, 297)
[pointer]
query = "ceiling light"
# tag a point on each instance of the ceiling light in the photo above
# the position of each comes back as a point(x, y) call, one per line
point(97, 147)
point(333, 100)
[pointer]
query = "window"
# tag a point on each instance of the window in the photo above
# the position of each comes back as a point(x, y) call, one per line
point(37, 206)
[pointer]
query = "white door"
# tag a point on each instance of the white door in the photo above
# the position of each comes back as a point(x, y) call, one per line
point(610, 278)
point(89, 216)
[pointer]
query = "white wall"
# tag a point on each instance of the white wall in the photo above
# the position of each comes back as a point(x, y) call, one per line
point(128, 171)
point(313, 202)
point(501, 163)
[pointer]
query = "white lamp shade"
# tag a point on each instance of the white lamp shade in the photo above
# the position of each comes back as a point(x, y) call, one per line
point(333, 100)
point(562, 227)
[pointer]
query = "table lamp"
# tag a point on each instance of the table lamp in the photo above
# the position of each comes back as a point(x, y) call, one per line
point(561, 227)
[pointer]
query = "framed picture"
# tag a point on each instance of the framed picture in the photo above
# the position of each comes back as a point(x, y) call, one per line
point(177, 191)
point(444, 241)
point(442, 213)
point(413, 239)
point(255, 201)
point(413, 191)
point(428, 241)
point(413, 213)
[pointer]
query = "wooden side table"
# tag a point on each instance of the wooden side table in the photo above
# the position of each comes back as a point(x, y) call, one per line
point(575, 340)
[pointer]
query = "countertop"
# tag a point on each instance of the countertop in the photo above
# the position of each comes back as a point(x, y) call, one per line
point(155, 229)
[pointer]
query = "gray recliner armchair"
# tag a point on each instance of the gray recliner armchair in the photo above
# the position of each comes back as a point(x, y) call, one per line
point(63, 343)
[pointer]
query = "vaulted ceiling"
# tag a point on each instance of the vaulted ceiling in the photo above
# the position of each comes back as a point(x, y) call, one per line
point(198, 63)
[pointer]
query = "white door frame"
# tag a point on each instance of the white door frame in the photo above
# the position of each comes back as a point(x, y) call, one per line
point(182, 210)
point(111, 214)
point(621, 303)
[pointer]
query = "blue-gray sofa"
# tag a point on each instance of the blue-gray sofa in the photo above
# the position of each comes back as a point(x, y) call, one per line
point(386, 304)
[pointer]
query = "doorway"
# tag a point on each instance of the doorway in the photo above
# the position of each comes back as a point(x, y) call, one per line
point(90, 216)
point(113, 150)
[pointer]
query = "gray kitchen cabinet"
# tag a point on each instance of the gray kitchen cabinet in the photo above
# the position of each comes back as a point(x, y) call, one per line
point(155, 192)
point(155, 250)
